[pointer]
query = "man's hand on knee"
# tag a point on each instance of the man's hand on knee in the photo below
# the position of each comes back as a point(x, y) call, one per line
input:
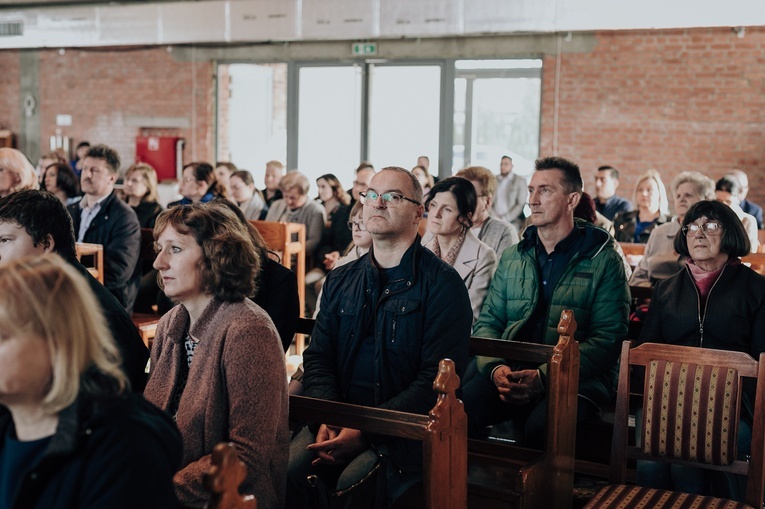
point(337, 446)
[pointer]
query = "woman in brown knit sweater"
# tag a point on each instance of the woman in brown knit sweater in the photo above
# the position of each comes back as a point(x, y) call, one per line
point(217, 365)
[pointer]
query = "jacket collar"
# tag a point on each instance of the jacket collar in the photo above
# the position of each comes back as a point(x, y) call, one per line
point(595, 238)
point(468, 255)
point(405, 274)
point(179, 323)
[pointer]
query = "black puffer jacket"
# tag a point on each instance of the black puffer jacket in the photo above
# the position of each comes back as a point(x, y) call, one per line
point(119, 453)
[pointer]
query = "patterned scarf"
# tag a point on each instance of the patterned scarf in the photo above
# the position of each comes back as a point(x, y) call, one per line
point(451, 256)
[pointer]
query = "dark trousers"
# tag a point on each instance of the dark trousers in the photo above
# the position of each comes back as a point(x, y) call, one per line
point(484, 408)
point(353, 479)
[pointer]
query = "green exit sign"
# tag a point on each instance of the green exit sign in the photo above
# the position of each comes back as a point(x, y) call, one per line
point(363, 49)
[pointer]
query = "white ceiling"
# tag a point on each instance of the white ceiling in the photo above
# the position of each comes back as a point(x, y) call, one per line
point(179, 22)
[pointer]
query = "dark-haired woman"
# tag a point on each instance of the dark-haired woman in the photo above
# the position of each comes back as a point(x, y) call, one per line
point(245, 195)
point(60, 180)
point(217, 364)
point(198, 185)
point(714, 302)
point(451, 205)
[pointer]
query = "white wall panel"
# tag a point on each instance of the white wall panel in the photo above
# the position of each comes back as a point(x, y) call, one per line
point(350, 19)
point(489, 16)
point(192, 21)
point(264, 20)
point(129, 24)
point(420, 17)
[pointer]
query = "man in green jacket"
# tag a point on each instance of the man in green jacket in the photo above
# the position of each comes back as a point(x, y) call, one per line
point(561, 263)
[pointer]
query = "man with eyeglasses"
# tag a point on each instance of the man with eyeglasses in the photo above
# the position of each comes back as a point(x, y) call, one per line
point(102, 218)
point(385, 322)
point(560, 263)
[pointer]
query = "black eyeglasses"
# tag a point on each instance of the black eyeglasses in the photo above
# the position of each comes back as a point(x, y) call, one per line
point(358, 224)
point(389, 199)
point(710, 228)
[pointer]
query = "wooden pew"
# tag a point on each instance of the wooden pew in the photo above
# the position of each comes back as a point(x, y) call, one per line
point(95, 252)
point(287, 239)
point(756, 262)
point(443, 433)
point(505, 475)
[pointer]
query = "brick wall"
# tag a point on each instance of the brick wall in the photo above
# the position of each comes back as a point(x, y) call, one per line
point(670, 100)
point(105, 91)
point(10, 104)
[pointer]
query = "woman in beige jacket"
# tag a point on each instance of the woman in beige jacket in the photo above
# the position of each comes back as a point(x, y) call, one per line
point(451, 205)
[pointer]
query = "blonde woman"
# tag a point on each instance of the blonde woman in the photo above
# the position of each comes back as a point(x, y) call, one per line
point(16, 172)
point(71, 436)
point(651, 210)
point(141, 193)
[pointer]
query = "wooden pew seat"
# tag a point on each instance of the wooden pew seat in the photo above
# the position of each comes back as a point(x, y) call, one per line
point(443, 433)
point(504, 474)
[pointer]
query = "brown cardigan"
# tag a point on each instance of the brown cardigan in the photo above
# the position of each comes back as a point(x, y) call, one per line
point(236, 391)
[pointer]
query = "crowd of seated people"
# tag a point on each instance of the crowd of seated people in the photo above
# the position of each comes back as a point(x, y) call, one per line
point(392, 305)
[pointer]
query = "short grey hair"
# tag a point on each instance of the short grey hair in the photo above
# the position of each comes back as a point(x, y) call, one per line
point(704, 185)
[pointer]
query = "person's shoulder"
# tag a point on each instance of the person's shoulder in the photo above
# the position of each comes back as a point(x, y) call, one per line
point(314, 206)
point(130, 417)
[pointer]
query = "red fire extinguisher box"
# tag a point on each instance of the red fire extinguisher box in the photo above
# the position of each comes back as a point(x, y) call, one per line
point(162, 153)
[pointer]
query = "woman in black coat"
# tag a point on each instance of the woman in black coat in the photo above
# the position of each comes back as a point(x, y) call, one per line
point(71, 435)
point(714, 302)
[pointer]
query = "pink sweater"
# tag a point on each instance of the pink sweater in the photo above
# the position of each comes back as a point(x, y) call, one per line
point(236, 392)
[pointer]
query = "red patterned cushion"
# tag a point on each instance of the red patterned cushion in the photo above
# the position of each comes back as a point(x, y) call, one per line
point(620, 496)
point(689, 412)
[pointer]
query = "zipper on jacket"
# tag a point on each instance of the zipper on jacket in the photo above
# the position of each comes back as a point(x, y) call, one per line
point(706, 304)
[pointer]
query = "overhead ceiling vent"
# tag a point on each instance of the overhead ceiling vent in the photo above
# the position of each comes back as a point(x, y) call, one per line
point(11, 28)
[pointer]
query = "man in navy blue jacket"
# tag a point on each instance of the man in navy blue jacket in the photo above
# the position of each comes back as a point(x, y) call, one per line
point(386, 321)
point(102, 218)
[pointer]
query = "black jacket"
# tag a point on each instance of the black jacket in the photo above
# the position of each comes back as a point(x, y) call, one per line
point(147, 212)
point(734, 317)
point(626, 222)
point(120, 452)
point(277, 294)
point(337, 236)
point(421, 316)
point(134, 353)
point(116, 228)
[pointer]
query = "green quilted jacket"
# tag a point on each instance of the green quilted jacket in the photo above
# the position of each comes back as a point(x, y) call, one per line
point(593, 286)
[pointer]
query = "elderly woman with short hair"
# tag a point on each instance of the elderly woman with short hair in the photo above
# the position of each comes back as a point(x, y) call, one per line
point(16, 172)
point(72, 435)
point(217, 364)
point(295, 207)
point(715, 302)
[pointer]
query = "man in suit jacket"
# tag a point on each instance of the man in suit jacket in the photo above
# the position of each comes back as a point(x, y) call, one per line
point(102, 218)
